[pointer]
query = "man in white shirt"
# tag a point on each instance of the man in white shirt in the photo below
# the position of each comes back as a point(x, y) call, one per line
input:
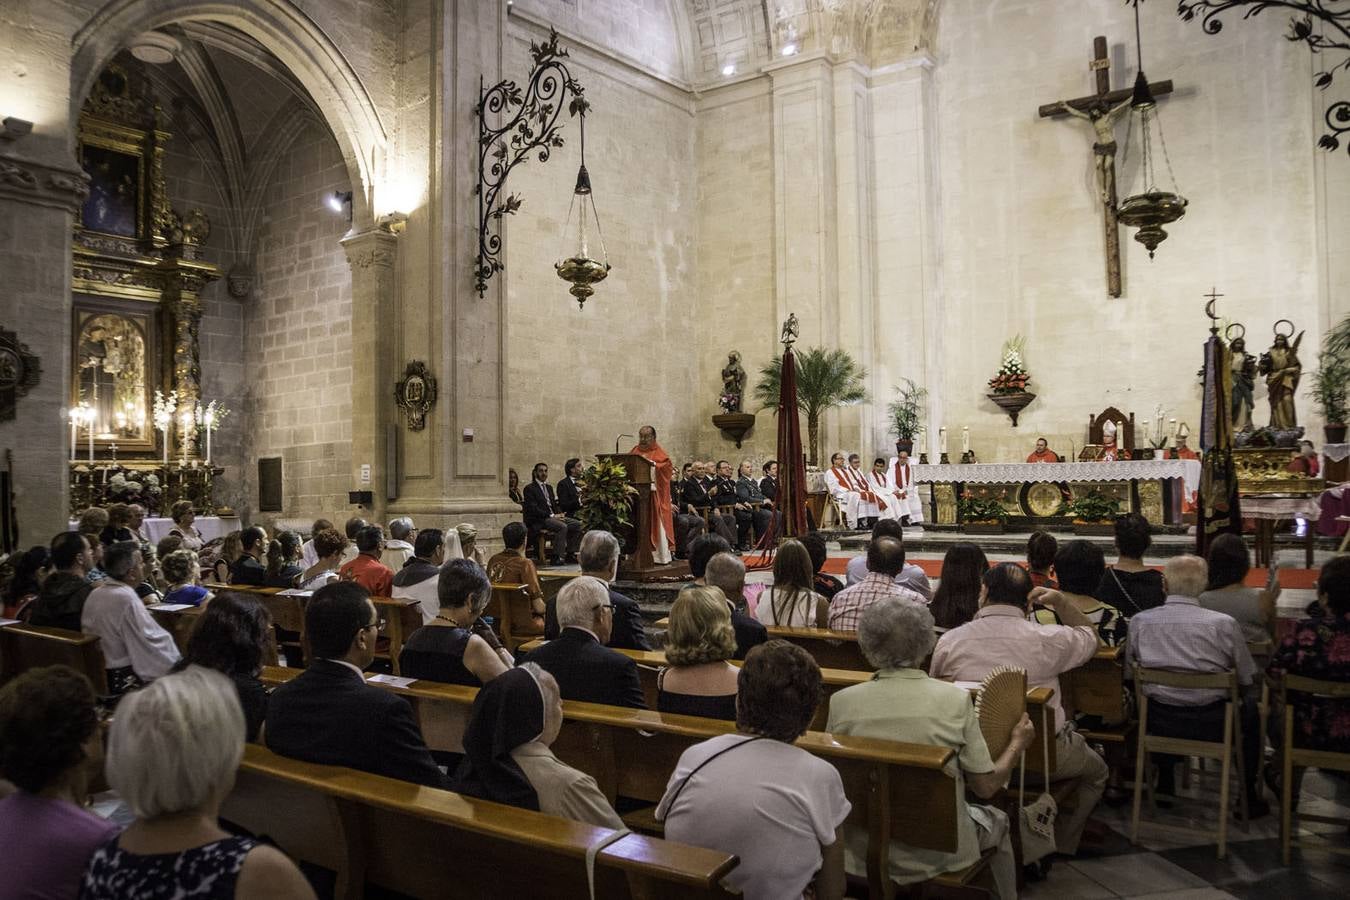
point(132, 642)
point(398, 549)
point(307, 555)
point(901, 476)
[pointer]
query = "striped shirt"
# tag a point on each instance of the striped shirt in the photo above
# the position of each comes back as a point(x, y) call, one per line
point(1183, 636)
point(847, 607)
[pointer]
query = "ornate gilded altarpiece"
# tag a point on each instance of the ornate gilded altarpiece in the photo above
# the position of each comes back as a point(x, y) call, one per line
point(137, 274)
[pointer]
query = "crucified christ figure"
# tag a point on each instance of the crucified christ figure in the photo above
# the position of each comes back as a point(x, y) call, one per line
point(1103, 120)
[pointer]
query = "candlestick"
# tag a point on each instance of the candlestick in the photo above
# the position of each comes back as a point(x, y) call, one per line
point(965, 438)
point(942, 440)
point(89, 423)
point(74, 415)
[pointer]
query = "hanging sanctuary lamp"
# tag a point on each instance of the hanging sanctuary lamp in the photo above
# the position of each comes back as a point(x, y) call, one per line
point(1151, 208)
point(580, 269)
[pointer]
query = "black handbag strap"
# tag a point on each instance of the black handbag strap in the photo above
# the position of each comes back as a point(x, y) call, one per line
point(679, 790)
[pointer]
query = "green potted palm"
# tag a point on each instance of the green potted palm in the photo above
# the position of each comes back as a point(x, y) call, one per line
point(906, 414)
point(825, 379)
point(1328, 393)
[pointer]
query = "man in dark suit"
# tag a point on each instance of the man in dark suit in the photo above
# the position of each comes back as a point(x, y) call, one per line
point(752, 507)
point(711, 563)
point(542, 513)
point(585, 669)
point(248, 569)
point(600, 559)
point(330, 715)
point(569, 488)
point(697, 499)
point(768, 485)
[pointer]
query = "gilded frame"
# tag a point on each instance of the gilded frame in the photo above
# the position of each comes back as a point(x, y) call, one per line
point(144, 321)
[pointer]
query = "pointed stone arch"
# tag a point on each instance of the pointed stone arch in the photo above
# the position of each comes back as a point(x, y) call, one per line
point(290, 35)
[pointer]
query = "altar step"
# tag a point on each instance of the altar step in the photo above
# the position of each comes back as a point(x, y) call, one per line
point(937, 540)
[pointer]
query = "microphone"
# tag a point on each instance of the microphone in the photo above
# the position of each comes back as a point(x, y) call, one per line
point(621, 437)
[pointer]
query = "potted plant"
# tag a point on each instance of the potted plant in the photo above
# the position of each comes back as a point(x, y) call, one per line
point(980, 513)
point(1328, 393)
point(1093, 513)
point(905, 412)
point(607, 499)
point(825, 379)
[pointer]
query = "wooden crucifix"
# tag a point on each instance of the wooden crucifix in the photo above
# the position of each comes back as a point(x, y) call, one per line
point(1102, 110)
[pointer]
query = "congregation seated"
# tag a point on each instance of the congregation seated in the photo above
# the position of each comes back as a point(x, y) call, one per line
point(33, 567)
point(173, 752)
point(902, 703)
point(308, 555)
point(599, 557)
point(182, 570)
point(885, 561)
point(697, 499)
point(231, 551)
point(688, 525)
point(584, 667)
point(911, 576)
point(118, 528)
point(231, 638)
point(329, 715)
point(1041, 550)
point(957, 597)
point(456, 646)
point(726, 572)
point(512, 566)
point(248, 568)
point(365, 568)
point(352, 529)
point(329, 548)
point(507, 758)
point(752, 793)
point(1313, 649)
point(513, 488)
point(136, 650)
point(1001, 635)
point(398, 548)
point(1183, 636)
point(61, 599)
point(170, 543)
point(51, 750)
point(698, 680)
point(283, 561)
point(825, 584)
point(1254, 608)
point(1080, 566)
point(792, 601)
point(1130, 585)
point(183, 515)
point(416, 580)
point(92, 521)
point(541, 512)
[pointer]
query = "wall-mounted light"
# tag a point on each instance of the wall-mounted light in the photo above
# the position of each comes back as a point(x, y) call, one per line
point(729, 69)
point(339, 201)
point(789, 48)
point(15, 128)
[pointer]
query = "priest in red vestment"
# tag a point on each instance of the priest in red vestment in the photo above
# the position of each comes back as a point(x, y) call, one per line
point(1043, 453)
point(1184, 452)
point(662, 536)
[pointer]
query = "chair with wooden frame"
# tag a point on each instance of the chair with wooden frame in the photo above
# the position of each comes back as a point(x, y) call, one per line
point(1296, 756)
point(1223, 751)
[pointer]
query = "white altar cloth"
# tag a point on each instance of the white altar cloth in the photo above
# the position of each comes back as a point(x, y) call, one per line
point(1188, 470)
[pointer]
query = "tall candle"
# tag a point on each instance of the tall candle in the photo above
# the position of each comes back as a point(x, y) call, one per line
point(965, 438)
point(89, 422)
point(74, 431)
point(208, 443)
point(165, 431)
point(942, 440)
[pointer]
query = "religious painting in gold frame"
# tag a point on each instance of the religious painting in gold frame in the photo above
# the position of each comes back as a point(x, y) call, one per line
point(115, 370)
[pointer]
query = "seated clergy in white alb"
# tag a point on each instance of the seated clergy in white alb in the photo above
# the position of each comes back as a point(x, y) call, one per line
point(842, 488)
point(869, 509)
point(880, 485)
point(900, 474)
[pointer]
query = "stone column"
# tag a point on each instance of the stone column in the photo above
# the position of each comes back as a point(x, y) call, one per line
point(37, 203)
point(372, 255)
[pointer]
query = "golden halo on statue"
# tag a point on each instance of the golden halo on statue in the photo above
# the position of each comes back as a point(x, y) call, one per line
point(1276, 328)
point(1228, 332)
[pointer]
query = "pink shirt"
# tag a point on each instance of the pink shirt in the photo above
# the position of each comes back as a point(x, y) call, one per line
point(1000, 635)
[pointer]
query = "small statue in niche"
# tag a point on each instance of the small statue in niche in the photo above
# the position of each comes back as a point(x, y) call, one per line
point(1244, 380)
point(733, 383)
point(1281, 366)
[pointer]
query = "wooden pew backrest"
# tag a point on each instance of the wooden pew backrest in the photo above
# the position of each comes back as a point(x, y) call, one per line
point(24, 647)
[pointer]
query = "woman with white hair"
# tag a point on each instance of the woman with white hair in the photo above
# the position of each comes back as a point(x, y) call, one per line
point(173, 751)
point(516, 717)
point(901, 703)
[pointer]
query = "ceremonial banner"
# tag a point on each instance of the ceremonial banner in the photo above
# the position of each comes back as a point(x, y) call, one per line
point(791, 498)
point(1218, 509)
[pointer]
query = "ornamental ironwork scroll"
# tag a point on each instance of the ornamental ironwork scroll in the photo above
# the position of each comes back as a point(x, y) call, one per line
point(1332, 35)
point(532, 128)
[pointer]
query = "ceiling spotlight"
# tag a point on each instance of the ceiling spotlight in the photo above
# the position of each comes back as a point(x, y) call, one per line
point(729, 69)
point(155, 47)
point(338, 200)
point(789, 48)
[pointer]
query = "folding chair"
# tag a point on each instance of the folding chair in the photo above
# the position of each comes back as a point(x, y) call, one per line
point(1223, 750)
point(1295, 756)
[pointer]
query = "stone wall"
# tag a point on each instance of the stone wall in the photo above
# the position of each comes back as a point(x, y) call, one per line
point(297, 335)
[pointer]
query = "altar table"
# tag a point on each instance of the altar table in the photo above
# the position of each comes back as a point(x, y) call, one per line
point(1169, 474)
point(157, 528)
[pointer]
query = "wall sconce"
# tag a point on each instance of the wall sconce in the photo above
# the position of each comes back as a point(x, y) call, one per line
point(340, 202)
point(16, 128)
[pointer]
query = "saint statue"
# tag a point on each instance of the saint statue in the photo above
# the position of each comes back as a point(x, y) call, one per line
point(1244, 384)
point(733, 383)
point(1282, 369)
point(1103, 120)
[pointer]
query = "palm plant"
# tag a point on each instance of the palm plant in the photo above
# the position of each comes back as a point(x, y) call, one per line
point(825, 379)
point(905, 411)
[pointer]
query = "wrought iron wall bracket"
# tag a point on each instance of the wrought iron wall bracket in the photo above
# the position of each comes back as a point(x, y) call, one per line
point(1307, 15)
point(531, 128)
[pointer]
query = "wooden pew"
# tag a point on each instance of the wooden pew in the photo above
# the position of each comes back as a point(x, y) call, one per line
point(830, 649)
point(396, 835)
point(24, 647)
point(177, 622)
point(897, 789)
point(511, 608)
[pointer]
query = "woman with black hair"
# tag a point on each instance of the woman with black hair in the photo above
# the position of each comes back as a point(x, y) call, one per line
point(31, 570)
point(1129, 585)
point(1226, 592)
point(232, 637)
point(283, 561)
point(958, 592)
